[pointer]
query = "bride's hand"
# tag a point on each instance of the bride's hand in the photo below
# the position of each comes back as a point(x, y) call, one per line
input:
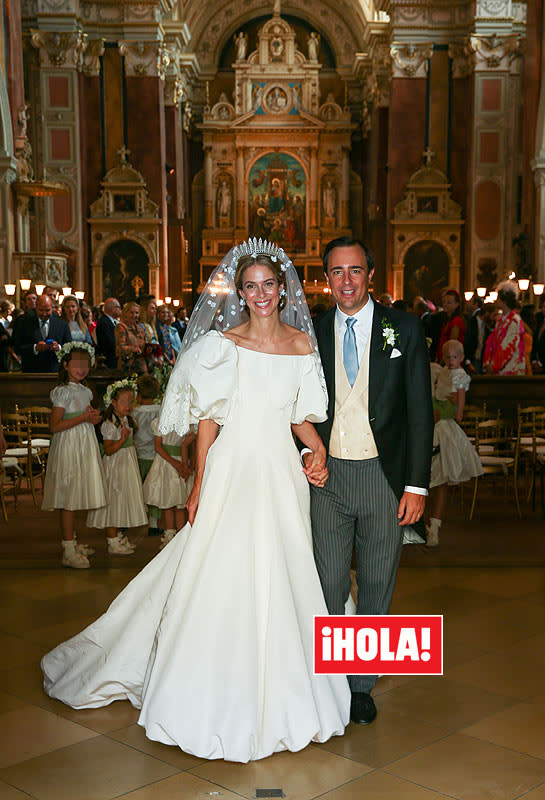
point(315, 467)
point(193, 503)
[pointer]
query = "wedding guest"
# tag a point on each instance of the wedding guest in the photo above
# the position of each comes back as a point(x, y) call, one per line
point(125, 507)
point(87, 317)
point(105, 331)
point(40, 337)
point(74, 480)
point(454, 326)
point(386, 300)
point(476, 335)
point(163, 326)
point(71, 314)
point(146, 411)
point(455, 459)
point(504, 350)
point(130, 339)
point(148, 316)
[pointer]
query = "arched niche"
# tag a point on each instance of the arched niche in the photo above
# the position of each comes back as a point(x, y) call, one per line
point(125, 271)
point(426, 270)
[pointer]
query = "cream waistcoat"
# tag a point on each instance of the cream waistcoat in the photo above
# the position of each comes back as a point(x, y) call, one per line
point(351, 434)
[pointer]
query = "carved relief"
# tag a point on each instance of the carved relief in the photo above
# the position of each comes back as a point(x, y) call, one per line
point(60, 49)
point(463, 58)
point(91, 57)
point(145, 58)
point(496, 51)
point(411, 60)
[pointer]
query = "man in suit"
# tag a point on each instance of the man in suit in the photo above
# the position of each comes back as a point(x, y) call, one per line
point(476, 335)
point(378, 436)
point(105, 331)
point(40, 336)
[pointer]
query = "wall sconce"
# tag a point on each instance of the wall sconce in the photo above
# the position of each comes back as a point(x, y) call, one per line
point(25, 284)
point(66, 290)
point(493, 296)
point(168, 300)
point(481, 291)
point(159, 302)
point(175, 303)
point(79, 295)
point(468, 295)
point(524, 283)
point(538, 288)
point(40, 288)
point(10, 289)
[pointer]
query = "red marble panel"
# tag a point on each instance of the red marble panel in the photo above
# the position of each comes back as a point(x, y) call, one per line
point(491, 94)
point(62, 212)
point(489, 147)
point(487, 210)
point(60, 144)
point(59, 96)
point(407, 134)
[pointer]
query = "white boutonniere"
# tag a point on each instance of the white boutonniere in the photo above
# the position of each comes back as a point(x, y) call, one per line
point(389, 334)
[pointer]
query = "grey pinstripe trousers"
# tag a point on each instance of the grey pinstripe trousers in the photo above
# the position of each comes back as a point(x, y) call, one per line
point(357, 508)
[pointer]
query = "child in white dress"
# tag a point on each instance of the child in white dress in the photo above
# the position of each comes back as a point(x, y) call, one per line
point(125, 508)
point(147, 410)
point(169, 480)
point(74, 480)
point(456, 460)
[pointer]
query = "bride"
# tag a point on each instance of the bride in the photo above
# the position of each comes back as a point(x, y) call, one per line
point(213, 639)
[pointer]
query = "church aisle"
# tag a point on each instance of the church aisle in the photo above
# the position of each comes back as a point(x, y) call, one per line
point(477, 731)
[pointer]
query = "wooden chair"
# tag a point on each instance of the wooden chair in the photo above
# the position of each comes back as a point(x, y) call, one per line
point(472, 416)
point(40, 436)
point(497, 452)
point(18, 437)
point(10, 478)
point(536, 454)
point(527, 441)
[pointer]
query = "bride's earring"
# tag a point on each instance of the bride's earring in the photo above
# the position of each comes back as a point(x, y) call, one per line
point(282, 292)
point(242, 302)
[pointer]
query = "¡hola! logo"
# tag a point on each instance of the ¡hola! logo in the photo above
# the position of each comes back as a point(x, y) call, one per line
point(380, 645)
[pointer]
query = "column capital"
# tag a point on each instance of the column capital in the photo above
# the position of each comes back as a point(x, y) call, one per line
point(495, 52)
point(463, 58)
point(91, 57)
point(410, 60)
point(60, 49)
point(145, 59)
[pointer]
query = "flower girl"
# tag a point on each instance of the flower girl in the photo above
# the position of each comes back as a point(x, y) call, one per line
point(456, 460)
point(74, 480)
point(169, 480)
point(125, 508)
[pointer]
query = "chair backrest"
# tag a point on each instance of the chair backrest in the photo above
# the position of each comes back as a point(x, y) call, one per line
point(16, 427)
point(492, 438)
point(38, 419)
point(472, 416)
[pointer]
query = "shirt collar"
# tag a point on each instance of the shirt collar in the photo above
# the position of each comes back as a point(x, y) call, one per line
point(364, 316)
point(115, 321)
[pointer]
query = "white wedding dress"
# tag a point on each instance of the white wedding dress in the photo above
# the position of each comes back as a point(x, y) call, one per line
point(213, 639)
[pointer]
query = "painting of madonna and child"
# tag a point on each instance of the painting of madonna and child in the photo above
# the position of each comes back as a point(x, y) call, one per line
point(277, 201)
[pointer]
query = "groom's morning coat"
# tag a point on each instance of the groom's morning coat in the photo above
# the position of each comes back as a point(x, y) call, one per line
point(400, 404)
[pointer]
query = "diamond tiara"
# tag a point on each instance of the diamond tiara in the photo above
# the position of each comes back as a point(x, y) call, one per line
point(257, 247)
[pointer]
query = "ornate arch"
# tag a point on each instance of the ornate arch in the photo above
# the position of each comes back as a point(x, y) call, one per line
point(345, 27)
point(110, 239)
point(429, 236)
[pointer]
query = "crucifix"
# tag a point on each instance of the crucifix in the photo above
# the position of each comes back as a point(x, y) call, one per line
point(123, 154)
point(428, 155)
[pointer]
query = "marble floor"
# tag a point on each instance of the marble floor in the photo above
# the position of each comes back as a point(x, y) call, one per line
point(477, 732)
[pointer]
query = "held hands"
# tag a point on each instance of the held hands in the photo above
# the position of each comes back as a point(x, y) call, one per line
point(183, 469)
point(92, 415)
point(315, 467)
point(42, 346)
point(411, 508)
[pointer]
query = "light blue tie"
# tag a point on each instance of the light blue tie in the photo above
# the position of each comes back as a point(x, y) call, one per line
point(350, 351)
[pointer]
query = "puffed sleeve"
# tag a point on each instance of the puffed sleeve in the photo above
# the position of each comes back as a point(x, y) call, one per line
point(460, 380)
point(311, 401)
point(60, 396)
point(202, 385)
point(110, 431)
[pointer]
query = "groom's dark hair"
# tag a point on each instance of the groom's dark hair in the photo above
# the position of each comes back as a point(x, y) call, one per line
point(347, 241)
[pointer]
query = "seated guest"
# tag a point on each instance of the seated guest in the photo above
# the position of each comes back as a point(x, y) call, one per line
point(130, 340)
point(71, 314)
point(504, 350)
point(476, 335)
point(40, 337)
point(454, 326)
point(386, 300)
point(105, 331)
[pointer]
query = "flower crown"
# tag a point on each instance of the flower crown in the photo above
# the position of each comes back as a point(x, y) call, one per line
point(258, 247)
point(69, 346)
point(117, 386)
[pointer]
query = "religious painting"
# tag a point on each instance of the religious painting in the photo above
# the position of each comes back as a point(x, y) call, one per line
point(125, 271)
point(426, 271)
point(277, 201)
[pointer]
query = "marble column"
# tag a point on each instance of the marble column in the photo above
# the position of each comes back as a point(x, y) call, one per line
point(208, 189)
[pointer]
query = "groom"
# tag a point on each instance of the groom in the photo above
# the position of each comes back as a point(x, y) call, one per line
point(378, 436)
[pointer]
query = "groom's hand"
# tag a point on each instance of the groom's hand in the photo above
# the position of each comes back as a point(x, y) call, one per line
point(315, 468)
point(411, 508)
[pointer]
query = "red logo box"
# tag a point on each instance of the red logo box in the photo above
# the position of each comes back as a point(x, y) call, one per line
point(379, 645)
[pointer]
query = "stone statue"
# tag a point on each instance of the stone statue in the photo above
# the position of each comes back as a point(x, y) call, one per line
point(329, 199)
point(223, 200)
point(241, 42)
point(313, 44)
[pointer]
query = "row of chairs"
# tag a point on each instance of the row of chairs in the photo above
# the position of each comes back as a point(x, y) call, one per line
point(28, 438)
point(509, 451)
